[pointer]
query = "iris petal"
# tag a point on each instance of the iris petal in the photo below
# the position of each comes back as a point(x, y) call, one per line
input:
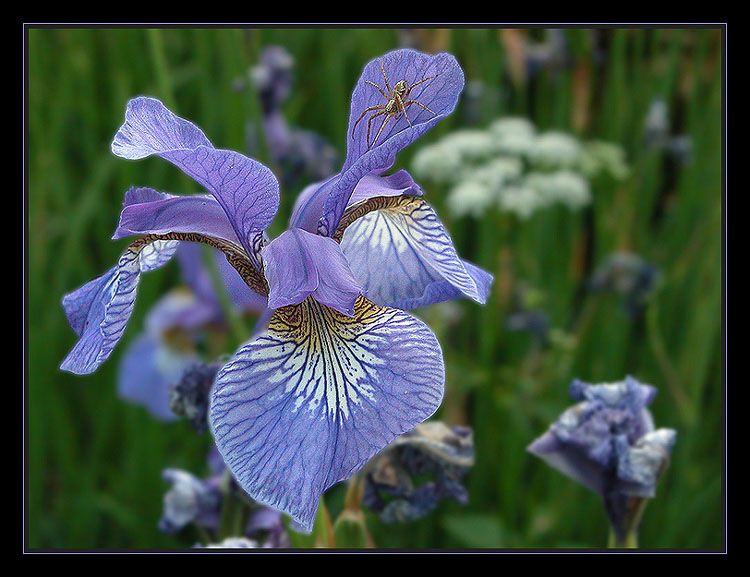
point(306, 212)
point(404, 258)
point(299, 264)
point(309, 401)
point(147, 211)
point(99, 310)
point(246, 190)
point(438, 94)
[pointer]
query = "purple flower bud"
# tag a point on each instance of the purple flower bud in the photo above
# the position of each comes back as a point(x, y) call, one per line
point(608, 444)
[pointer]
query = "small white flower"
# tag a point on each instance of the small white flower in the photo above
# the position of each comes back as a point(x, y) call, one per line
point(470, 198)
point(437, 163)
point(555, 150)
point(564, 186)
point(513, 136)
point(521, 200)
point(471, 145)
point(512, 125)
point(498, 172)
point(233, 543)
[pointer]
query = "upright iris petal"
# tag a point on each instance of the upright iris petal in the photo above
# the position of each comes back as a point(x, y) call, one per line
point(246, 190)
point(438, 97)
point(312, 399)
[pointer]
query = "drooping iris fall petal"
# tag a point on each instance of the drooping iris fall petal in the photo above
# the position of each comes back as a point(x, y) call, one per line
point(99, 310)
point(313, 398)
point(403, 256)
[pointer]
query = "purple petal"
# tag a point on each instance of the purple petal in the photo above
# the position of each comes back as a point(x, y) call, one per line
point(311, 400)
point(400, 253)
point(246, 190)
point(151, 214)
point(146, 370)
point(570, 461)
point(442, 290)
point(181, 309)
point(396, 184)
point(299, 264)
point(99, 310)
point(439, 94)
point(307, 208)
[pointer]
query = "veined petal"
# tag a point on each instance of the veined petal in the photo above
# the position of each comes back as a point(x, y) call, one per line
point(246, 190)
point(147, 211)
point(404, 258)
point(299, 264)
point(309, 401)
point(436, 82)
point(99, 310)
point(308, 206)
point(438, 95)
point(442, 290)
point(396, 184)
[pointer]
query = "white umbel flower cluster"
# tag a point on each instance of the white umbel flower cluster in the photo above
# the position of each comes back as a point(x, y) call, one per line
point(513, 167)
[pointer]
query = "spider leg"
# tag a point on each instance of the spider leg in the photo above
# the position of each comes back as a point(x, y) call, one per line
point(369, 124)
point(365, 111)
point(402, 107)
point(420, 104)
point(378, 87)
point(423, 80)
point(387, 86)
point(382, 126)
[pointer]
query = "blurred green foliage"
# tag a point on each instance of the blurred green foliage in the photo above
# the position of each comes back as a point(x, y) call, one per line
point(94, 462)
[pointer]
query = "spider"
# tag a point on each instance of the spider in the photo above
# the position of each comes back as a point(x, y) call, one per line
point(397, 103)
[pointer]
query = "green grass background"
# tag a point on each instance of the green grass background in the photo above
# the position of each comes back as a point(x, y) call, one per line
point(94, 462)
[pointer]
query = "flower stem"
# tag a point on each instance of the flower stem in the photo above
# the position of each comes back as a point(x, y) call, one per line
point(231, 523)
point(627, 541)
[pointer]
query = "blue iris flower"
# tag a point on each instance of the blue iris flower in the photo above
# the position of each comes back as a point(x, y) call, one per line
point(341, 369)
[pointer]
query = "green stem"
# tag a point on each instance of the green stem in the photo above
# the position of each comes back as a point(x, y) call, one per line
point(354, 493)
point(231, 523)
point(629, 540)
